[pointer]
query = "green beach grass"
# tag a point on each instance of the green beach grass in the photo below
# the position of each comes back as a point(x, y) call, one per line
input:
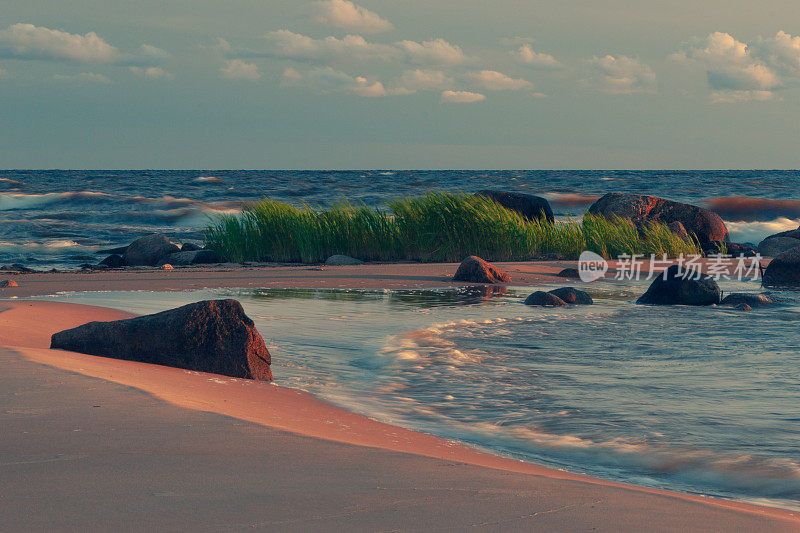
point(438, 227)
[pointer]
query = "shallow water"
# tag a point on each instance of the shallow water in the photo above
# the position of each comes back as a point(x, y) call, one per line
point(59, 218)
point(701, 400)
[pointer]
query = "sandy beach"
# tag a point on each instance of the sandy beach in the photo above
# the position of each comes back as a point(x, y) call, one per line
point(99, 443)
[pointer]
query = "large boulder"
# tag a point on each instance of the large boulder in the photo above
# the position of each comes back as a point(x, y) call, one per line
point(544, 299)
point(783, 270)
point(113, 261)
point(195, 257)
point(678, 286)
point(149, 250)
point(527, 205)
point(641, 209)
point(210, 336)
point(774, 245)
point(571, 295)
point(473, 269)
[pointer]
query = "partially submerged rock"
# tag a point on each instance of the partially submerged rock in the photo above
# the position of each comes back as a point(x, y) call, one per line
point(743, 307)
point(527, 205)
point(571, 295)
point(784, 270)
point(679, 286)
point(752, 300)
point(641, 209)
point(214, 336)
point(8, 283)
point(342, 260)
point(544, 299)
point(190, 247)
point(149, 251)
point(473, 269)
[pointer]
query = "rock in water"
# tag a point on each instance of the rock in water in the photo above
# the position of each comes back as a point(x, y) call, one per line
point(544, 299)
point(569, 273)
point(640, 209)
point(743, 307)
point(342, 260)
point(752, 300)
point(680, 288)
point(775, 245)
point(784, 270)
point(210, 336)
point(149, 251)
point(571, 295)
point(8, 283)
point(473, 269)
point(529, 206)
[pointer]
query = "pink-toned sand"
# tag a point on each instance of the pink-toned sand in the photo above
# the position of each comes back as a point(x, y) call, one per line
point(83, 447)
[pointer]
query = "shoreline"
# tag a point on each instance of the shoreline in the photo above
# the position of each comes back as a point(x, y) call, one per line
point(283, 276)
point(294, 411)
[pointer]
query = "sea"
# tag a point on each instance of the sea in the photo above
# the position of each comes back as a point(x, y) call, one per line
point(698, 400)
point(59, 218)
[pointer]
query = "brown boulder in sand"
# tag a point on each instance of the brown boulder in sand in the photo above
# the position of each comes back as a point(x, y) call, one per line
point(473, 269)
point(641, 209)
point(212, 336)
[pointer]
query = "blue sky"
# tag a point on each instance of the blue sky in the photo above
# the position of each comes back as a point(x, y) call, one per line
point(387, 84)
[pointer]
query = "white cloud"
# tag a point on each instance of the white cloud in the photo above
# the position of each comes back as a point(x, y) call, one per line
point(27, 41)
point(526, 54)
point(351, 48)
point(497, 81)
point(291, 76)
point(621, 75)
point(433, 52)
point(152, 54)
point(737, 71)
point(329, 80)
point(462, 97)
point(152, 73)
point(87, 77)
point(412, 81)
point(237, 69)
point(346, 15)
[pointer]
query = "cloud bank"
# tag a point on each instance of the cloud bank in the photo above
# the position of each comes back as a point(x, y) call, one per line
point(348, 16)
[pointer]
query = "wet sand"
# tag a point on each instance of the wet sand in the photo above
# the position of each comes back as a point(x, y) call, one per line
point(97, 443)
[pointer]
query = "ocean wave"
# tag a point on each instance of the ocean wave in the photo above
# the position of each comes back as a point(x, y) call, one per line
point(754, 232)
point(208, 179)
point(13, 201)
point(750, 209)
point(572, 200)
point(13, 183)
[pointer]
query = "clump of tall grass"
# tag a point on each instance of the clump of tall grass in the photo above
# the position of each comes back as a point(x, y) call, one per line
point(435, 227)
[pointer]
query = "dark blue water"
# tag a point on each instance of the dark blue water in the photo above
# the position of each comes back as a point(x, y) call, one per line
point(59, 218)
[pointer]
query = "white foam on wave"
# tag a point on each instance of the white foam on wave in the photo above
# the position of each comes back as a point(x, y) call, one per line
point(754, 232)
point(208, 179)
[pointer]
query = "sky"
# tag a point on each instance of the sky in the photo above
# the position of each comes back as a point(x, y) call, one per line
point(413, 84)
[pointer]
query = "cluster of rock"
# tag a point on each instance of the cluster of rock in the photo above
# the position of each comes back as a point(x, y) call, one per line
point(214, 336)
point(784, 269)
point(157, 250)
point(559, 297)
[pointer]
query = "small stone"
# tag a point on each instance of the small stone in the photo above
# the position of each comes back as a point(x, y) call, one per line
point(342, 260)
point(743, 307)
point(167, 267)
point(473, 269)
point(571, 295)
point(8, 283)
